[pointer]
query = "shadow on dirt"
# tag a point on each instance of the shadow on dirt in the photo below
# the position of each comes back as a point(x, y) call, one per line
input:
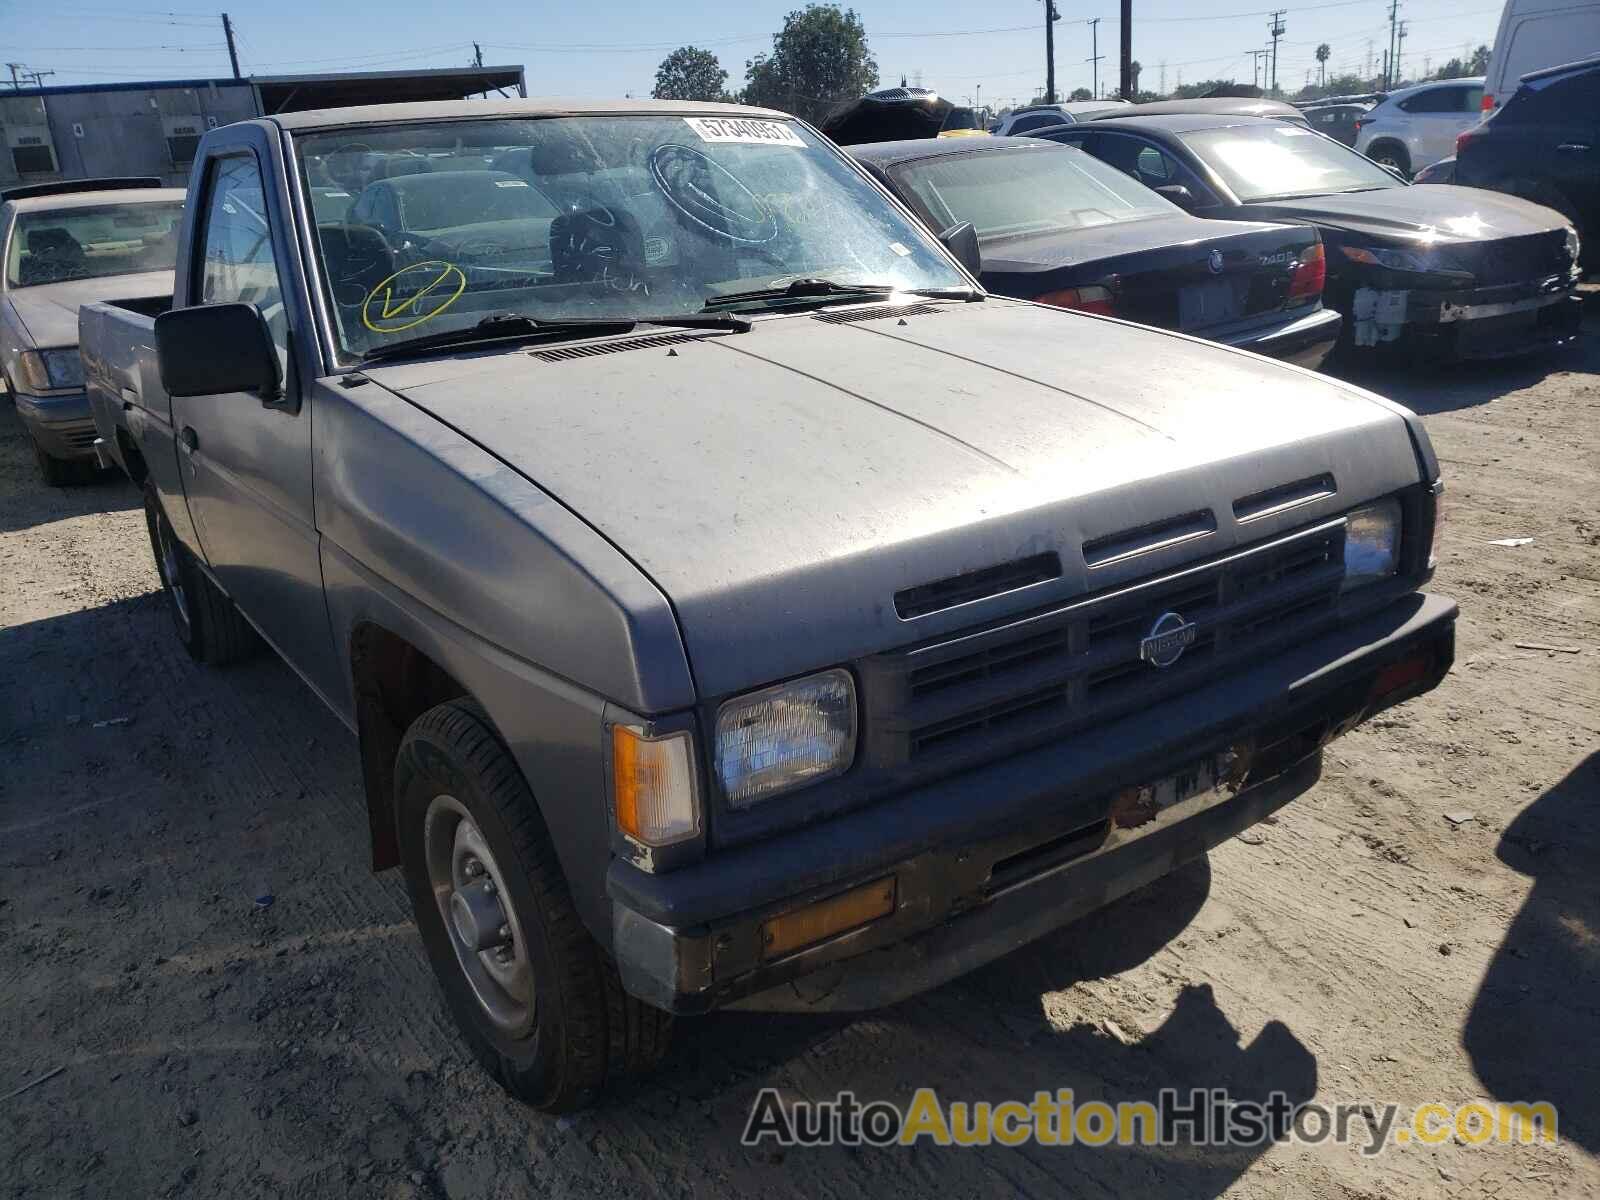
point(998, 1040)
point(1531, 1031)
point(39, 504)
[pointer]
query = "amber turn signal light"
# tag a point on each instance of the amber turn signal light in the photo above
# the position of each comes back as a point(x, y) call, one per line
point(806, 926)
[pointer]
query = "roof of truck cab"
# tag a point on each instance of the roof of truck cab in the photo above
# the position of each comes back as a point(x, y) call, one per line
point(454, 110)
point(95, 199)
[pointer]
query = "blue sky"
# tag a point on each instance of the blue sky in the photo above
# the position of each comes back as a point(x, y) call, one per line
point(585, 50)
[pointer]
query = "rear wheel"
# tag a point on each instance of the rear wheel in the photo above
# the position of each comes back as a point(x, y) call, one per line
point(1391, 154)
point(536, 999)
point(209, 625)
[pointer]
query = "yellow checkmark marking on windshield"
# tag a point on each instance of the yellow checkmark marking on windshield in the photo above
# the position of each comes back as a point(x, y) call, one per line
point(388, 308)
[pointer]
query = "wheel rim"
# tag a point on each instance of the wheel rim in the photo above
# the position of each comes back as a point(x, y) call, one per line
point(469, 888)
point(171, 574)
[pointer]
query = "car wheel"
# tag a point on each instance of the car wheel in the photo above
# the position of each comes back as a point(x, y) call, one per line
point(536, 999)
point(209, 624)
point(1391, 154)
point(56, 472)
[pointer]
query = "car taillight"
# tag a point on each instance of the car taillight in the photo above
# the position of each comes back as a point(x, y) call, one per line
point(1309, 275)
point(1083, 299)
point(1488, 102)
point(1360, 121)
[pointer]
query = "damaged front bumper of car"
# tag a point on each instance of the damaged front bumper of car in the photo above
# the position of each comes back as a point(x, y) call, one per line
point(1469, 322)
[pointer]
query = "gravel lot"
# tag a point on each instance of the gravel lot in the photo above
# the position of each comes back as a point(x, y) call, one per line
point(1362, 947)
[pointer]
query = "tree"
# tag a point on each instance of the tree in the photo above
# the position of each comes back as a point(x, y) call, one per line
point(818, 58)
point(689, 73)
point(1480, 61)
point(1189, 91)
point(1324, 52)
point(1081, 93)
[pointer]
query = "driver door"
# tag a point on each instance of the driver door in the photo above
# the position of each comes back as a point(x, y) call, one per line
point(246, 464)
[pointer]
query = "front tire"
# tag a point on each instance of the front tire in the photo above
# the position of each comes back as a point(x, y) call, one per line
point(534, 996)
point(56, 472)
point(209, 625)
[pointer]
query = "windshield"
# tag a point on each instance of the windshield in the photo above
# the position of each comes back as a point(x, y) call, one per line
point(1006, 193)
point(430, 228)
point(1259, 162)
point(88, 243)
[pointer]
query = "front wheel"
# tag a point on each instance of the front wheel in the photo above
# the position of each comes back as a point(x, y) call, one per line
point(536, 999)
point(1391, 154)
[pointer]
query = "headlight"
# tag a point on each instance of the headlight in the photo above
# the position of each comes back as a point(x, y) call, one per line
point(653, 784)
point(1574, 245)
point(786, 736)
point(1394, 260)
point(1371, 543)
point(44, 370)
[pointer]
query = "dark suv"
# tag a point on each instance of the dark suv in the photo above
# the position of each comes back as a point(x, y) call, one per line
point(1544, 144)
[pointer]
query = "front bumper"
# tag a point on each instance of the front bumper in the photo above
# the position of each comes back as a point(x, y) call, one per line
point(991, 859)
point(1470, 323)
point(62, 424)
point(1305, 341)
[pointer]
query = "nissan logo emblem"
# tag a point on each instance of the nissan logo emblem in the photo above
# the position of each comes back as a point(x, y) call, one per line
point(1168, 638)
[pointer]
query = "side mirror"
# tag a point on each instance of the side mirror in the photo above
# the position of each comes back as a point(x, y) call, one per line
point(1178, 194)
point(962, 241)
point(211, 349)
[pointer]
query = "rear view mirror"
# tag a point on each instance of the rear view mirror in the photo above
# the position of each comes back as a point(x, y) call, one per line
point(1178, 194)
point(215, 348)
point(962, 241)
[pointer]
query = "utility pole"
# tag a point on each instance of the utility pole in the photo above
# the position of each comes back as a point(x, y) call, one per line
point(1094, 52)
point(1388, 61)
point(1163, 77)
point(1130, 85)
point(477, 55)
point(1256, 65)
point(1368, 74)
point(1399, 49)
point(233, 51)
point(1276, 29)
point(15, 85)
point(1051, 16)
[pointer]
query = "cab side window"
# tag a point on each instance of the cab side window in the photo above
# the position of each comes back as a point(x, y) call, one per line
point(238, 264)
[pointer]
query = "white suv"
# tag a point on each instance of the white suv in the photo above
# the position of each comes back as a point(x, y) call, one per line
point(1042, 116)
point(1417, 126)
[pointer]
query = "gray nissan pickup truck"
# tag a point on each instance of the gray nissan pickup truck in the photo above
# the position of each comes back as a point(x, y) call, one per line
point(735, 606)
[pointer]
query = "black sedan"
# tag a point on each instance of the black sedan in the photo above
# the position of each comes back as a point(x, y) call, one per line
point(1443, 270)
point(1056, 226)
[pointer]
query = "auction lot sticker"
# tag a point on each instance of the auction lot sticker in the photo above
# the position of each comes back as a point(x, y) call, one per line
point(743, 129)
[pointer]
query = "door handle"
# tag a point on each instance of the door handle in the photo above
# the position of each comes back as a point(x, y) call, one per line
point(1574, 146)
point(190, 439)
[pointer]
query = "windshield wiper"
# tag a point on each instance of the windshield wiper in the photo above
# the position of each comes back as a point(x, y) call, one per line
point(508, 326)
point(811, 288)
point(498, 327)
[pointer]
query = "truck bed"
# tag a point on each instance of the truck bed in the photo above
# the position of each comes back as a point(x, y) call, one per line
point(116, 339)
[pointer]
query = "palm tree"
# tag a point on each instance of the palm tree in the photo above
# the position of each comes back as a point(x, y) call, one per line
point(1324, 52)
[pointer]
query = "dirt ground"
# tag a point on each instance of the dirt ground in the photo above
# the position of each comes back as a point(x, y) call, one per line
point(1361, 948)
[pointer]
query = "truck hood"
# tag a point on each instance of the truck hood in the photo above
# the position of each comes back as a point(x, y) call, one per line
point(49, 311)
point(1442, 213)
point(781, 486)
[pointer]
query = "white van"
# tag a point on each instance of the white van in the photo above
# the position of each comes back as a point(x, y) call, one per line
point(1534, 34)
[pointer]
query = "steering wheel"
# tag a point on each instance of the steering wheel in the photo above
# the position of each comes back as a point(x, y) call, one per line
point(710, 197)
point(355, 179)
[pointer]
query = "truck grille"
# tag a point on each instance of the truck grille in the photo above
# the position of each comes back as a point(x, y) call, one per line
point(1035, 678)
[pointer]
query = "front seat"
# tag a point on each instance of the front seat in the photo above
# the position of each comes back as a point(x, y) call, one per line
point(357, 258)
